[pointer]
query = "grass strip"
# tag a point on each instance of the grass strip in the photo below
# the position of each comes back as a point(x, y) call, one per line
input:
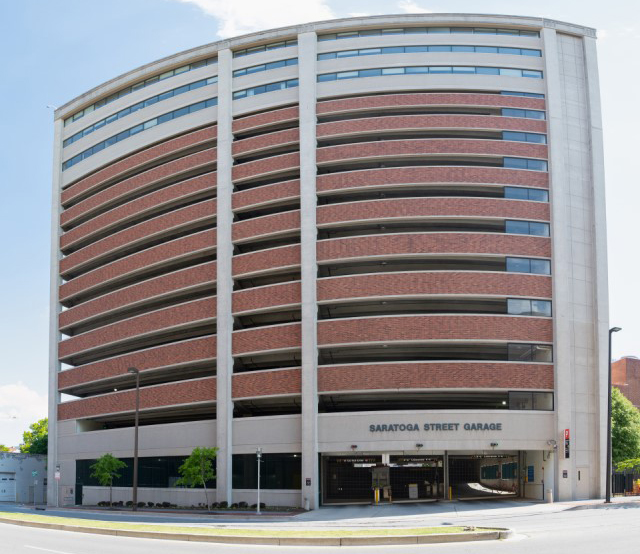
point(178, 530)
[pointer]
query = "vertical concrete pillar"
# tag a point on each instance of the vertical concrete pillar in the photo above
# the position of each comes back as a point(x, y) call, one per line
point(445, 468)
point(561, 250)
point(224, 361)
point(601, 283)
point(307, 42)
point(54, 311)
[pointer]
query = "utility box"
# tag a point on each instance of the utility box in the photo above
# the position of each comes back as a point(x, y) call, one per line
point(413, 491)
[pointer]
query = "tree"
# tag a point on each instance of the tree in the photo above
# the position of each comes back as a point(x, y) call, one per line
point(4, 448)
point(35, 441)
point(625, 428)
point(197, 469)
point(105, 470)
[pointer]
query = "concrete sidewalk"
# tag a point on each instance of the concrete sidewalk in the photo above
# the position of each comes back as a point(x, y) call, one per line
point(344, 517)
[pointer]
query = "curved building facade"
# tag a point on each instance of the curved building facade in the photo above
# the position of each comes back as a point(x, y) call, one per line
point(372, 247)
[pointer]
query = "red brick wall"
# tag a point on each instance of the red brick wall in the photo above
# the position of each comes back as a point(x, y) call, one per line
point(436, 175)
point(281, 294)
point(433, 243)
point(170, 394)
point(265, 118)
point(417, 147)
point(437, 327)
point(263, 260)
point(403, 208)
point(266, 166)
point(138, 182)
point(175, 249)
point(266, 225)
point(137, 293)
point(275, 337)
point(435, 375)
point(174, 220)
point(268, 140)
point(422, 122)
point(166, 318)
point(441, 282)
point(266, 194)
point(625, 375)
point(267, 383)
point(426, 99)
point(150, 202)
point(168, 355)
point(147, 155)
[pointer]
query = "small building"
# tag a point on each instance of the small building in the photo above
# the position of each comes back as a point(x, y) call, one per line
point(23, 478)
point(625, 375)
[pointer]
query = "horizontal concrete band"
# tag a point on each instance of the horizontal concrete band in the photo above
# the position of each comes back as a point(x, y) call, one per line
point(146, 156)
point(182, 248)
point(168, 394)
point(167, 356)
point(403, 100)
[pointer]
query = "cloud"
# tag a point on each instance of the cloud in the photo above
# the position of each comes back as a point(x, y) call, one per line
point(238, 17)
point(603, 33)
point(20, 406)
point(409, 6)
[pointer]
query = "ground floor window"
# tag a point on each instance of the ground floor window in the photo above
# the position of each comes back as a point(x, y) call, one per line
point(277, 471)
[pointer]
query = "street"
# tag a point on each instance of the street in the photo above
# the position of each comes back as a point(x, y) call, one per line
point(580, 530)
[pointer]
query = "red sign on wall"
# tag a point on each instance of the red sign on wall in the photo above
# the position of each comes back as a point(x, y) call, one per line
point(566, 434)
point(567, 444)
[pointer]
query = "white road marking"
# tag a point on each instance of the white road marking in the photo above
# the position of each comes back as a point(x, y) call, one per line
point(46, 549)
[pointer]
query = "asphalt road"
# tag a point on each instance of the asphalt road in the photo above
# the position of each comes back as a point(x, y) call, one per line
point(583, 531)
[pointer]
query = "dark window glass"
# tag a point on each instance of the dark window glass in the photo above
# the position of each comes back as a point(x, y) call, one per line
point(541, 353)
point(538, 195)
point(165, 117)
point(137, 129)
point(487, 49)
point(394, 50)
point(519, 352)
point(123, 135)
point(98, 147)
point(274, 86)
point(513, 135)
point(516, 227)
point(463, 49)
point(197, 84)
point(541, 267)
point(198, 106)
point(110, 141)
point(519, 265)
point(165, 95)
point(327, 77)
point(515, 163)
point(537, 165)
point(277, 471)
point(513, 51)
point(513, 112)
point(327, 56)
point(180, 90)
point(370, 72)
point(539, 229)
point(439, 48)
point(487, 71)
point(413, 70)
point(534, 114)
point(520, 400)
point(543, 401)
point(181, 112)
point(541, 308)
point(516, 193)
point(529, 52)
point(413, 49)
point(518, 306)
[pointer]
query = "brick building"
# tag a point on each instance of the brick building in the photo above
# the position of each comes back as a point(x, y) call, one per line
point(625, 375)
point(370, 242)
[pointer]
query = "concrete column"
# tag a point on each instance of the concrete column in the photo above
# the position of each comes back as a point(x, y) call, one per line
point(224, 361)
point(561, 270)
point(600, 284)
point(445, 468)
point(54, 311)
point(307, 42)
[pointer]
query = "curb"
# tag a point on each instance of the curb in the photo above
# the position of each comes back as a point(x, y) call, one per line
point(480, 535)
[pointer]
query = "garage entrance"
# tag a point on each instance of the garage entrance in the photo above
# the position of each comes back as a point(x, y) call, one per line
point(7, 487)
point(350, 479)
point(481, 476)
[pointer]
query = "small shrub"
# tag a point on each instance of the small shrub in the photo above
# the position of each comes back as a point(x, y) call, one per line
point(173, 506)
point(150, 504)
point(141, 504)
point(223, 504)
point(166, 505)
point(243, 505)
point(214, 505)
point(233, 506)
point(129, 503)
point(119, 503)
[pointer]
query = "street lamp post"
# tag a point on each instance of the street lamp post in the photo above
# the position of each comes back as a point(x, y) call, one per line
point(258, 459)
point(136, 372)
point(609, 476)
